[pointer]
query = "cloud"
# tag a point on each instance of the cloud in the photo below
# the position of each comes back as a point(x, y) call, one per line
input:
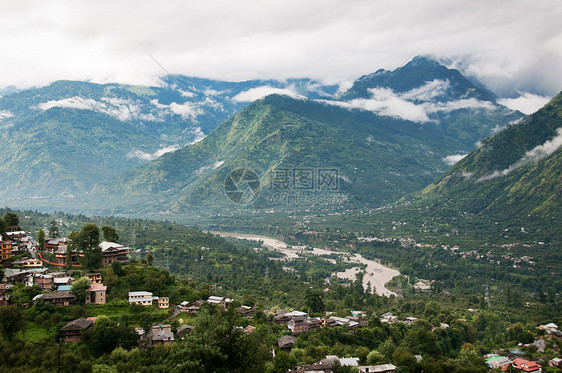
point(468, 103)
point(150, 157)
point(186, 110)
point(121, 109)
point(72, 103)
point(205, 168)
point(385, 102)
point(527, 103)
point(186, 93)
point(452, 159)
point(214, 92)
point(221, 39)
point(198, 135)
point(5, 114)
point(537, 153)
point(254, 94)
point(125, 110)
point(407, 105)
point(428, 91)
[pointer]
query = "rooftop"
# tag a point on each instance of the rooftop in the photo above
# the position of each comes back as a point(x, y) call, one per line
point(58, 295)
point(140, 294)
point(98, 287)
point(105, 245)
point(80, 323)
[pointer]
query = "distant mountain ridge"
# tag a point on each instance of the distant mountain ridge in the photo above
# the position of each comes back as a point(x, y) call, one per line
point(417, 73)
point(379, 157)
point(63, 138)
point(515, 175)
point(388, 135)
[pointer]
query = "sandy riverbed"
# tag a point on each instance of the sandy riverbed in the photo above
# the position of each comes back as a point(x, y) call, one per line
point(375, 273)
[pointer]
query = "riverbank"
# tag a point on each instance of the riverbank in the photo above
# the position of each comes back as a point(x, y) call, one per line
point(376, 274)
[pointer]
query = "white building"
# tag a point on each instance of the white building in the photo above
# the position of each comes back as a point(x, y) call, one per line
point(144, 298)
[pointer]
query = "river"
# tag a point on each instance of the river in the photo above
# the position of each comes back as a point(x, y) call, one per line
point(375, 273)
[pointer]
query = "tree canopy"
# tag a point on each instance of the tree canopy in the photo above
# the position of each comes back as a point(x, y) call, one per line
point(110, 234)
point(80, 289)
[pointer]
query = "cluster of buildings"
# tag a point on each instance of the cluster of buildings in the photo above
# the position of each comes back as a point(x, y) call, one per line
point(192, 308)
point(550, 329)
point(491, 257)
point(298, 322)
point(111, 251)
point(158, 334)
point(511, 359)
point(503, 363)
point(63, 295)
point(55, 283)
point(327, 365)
point(14, 241)
point(389, 318)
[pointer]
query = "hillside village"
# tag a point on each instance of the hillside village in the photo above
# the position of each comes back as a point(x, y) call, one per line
point(53, 267)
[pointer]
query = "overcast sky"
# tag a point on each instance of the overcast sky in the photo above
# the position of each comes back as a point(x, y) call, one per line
point(506, 44)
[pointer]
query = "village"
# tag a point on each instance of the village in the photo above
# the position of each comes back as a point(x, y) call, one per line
point(53, 268)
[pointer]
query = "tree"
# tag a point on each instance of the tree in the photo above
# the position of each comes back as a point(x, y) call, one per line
point(149, 259)
point(80, 289)
point(117, 268)
point(89, 237)
point(69, 257)
point(2, 227)
point(403, 358)
point(375, 357)
point(88, 242)
point(11, 321)
point(432, 309)
point(315, 301)
point(54, 229)
point(283, 361)
point(21, 294)
point(11, 220)
point(110, 234)
point(92, 259)
point(217, 344)
point(43, 319)
point(107, 335)
point(361, 352)
point(41, 238)
point(419, 340)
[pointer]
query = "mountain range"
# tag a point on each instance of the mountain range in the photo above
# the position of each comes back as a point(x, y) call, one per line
point(382, 145)
point(64, 138)
point(142, 148)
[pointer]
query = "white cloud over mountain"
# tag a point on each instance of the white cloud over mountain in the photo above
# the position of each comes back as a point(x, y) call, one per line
point(536, 154)
point(413, 105)
point(260, 92)
point(118, 108)
point(5, 114)
point(125, 110)
point(527, 103)
point(331, 39)
point(452, 159)
point(152, 156)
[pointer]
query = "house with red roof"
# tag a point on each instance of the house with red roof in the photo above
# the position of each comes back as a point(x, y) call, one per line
point(526, 365)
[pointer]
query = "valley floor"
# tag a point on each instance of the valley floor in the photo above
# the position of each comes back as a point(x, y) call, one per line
point(376, 275)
